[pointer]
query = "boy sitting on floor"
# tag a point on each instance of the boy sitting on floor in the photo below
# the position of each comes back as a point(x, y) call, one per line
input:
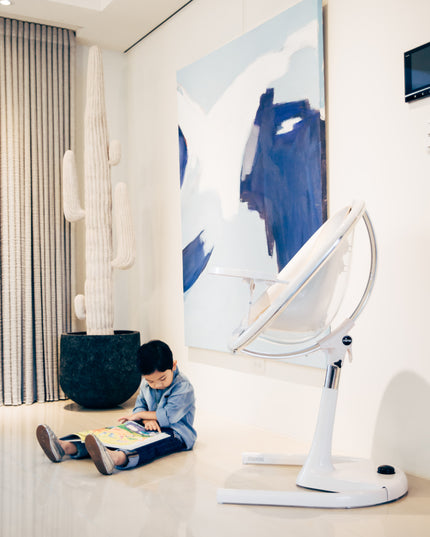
point(165, 403)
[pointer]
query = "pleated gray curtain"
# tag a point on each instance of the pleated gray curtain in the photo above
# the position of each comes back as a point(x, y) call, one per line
point(36, 127)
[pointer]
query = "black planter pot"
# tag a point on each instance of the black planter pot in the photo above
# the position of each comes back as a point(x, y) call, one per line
point(99, 371)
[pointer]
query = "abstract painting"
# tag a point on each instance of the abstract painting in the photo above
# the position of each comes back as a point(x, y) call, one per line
point(252, 164)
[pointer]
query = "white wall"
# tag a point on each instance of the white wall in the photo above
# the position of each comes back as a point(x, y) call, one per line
point(377, 151)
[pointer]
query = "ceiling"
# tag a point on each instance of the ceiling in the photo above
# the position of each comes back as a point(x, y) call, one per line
point(111, 24)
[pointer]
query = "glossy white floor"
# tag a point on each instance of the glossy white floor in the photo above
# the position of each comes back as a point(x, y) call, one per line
point(172, 497)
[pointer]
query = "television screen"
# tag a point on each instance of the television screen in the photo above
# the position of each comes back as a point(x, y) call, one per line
point(417, 73)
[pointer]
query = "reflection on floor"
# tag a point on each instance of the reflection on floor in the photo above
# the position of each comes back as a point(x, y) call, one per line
point(172, 497)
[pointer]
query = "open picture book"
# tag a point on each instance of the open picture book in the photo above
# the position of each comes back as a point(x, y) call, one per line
point(128, 435)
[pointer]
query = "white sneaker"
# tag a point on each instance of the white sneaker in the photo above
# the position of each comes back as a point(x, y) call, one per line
point(99, 455)
point(49, 443)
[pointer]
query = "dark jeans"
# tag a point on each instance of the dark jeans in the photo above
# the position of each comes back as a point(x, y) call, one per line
point(144, 454)
point(156, 450)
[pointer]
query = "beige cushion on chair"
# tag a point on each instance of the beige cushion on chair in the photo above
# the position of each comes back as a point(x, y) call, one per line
point(301, 304)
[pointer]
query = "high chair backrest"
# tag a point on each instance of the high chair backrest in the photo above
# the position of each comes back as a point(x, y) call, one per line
point(310, 289)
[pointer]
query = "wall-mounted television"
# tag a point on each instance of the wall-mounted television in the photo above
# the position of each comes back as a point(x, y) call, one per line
point(417, 73)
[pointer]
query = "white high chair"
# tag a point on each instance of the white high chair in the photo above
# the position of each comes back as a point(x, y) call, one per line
point(293, 317)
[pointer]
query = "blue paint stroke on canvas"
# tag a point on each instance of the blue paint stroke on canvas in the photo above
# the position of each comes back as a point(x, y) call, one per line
point(285, 158)
point(183, 154)
point(194, 258)
point(194, 261)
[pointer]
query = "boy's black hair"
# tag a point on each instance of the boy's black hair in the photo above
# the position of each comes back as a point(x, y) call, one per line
point(154, 356)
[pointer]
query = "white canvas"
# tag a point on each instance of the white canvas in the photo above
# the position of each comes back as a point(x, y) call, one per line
point(224, 101)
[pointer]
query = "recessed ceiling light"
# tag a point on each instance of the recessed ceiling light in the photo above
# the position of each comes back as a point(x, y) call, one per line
point(97, 5)
point(6, 2)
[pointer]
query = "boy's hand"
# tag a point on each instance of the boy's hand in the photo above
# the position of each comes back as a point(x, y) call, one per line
point(151, 425)
point(133, 417)
point(144, 415)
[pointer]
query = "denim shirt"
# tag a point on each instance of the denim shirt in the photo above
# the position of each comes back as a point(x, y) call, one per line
point(174, 406)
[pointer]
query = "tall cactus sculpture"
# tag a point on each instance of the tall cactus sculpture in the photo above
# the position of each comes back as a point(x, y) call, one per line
point(99, 155)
